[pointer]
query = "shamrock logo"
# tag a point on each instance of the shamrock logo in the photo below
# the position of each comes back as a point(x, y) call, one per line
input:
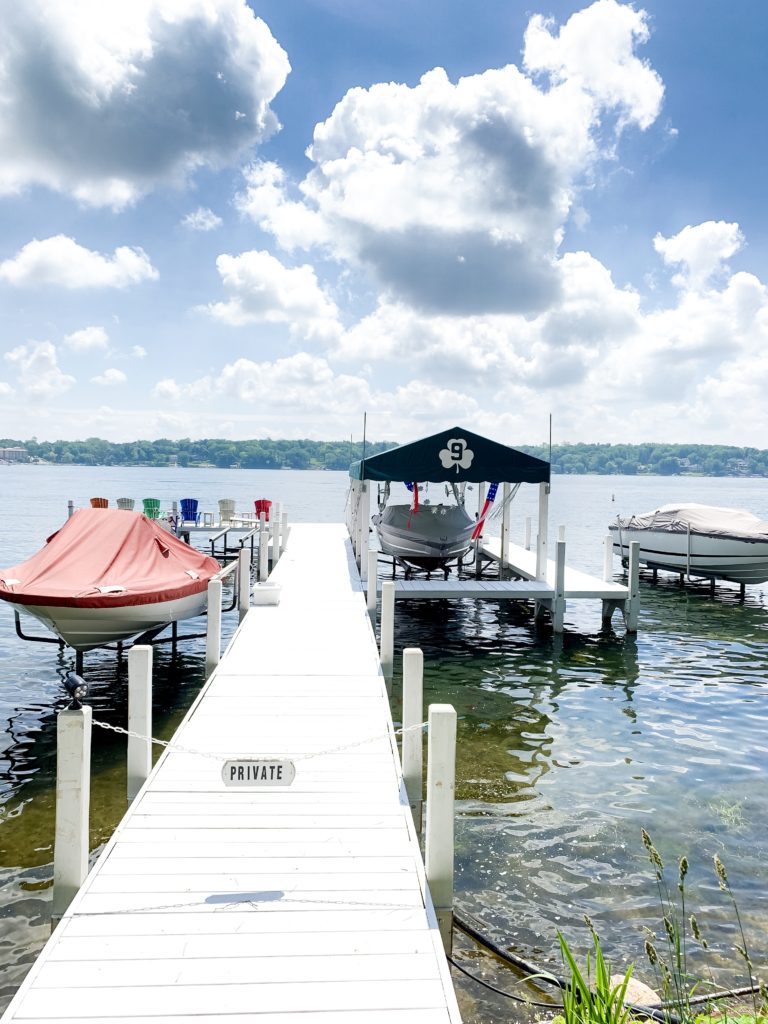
point(456, 453)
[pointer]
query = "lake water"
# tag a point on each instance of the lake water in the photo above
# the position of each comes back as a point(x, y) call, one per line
point(567, 746)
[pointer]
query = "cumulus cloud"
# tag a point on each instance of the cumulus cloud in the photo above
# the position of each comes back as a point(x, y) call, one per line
point(105, 100)
point(262, 290)
point(87, 338)
point(60, 261)
point(202, 219)
point(138, 352)
point(39, 374)
point(455, 196)
point(701, 251)
point(110, 377)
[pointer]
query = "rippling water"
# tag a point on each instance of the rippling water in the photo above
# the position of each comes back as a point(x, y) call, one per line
point(567, 745)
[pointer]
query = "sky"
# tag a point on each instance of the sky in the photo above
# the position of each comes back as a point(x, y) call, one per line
point(234, 219)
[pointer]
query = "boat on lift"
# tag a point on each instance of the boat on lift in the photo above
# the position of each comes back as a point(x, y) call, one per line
point(697, 540)
point(424, 536)
point(108, 575)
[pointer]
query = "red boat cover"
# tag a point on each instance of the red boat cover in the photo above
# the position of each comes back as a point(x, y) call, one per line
point(106, 558)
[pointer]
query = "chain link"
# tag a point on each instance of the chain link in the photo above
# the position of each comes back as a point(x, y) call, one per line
point(179, 748)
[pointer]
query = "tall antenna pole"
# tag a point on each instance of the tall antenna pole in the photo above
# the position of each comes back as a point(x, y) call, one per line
point(365, 420)
point(550, 437)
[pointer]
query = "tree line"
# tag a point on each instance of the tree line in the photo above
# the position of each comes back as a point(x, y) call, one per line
point(620, 459)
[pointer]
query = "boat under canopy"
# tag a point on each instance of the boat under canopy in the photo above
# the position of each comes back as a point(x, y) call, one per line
point(107, 575)
point(429, 538)
point(698, 540)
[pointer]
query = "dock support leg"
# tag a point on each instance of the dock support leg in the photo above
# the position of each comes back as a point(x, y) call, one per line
point(505, 492)
point(373, 585)
point(213, 633)
point(387, 636)
point(541, 540)
point(73, 797)
point(364, 525)
point(558, 604)
point(632, 605)
point(139, 717)
point(413, 716)
point(439, 842)
point(243, 583)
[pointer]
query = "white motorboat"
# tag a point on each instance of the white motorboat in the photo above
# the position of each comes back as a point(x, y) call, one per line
point(108, 575)
point(429, 537)
point(697, 540)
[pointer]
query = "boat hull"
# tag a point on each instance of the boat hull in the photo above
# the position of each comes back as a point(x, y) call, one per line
point(84, 629)
point(734, 559)
point(429, 539)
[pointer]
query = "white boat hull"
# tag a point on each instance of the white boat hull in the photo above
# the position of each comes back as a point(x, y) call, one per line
point(87, 628)
point(710, 557)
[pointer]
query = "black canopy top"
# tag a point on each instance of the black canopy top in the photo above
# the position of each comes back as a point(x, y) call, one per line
point(453, 455)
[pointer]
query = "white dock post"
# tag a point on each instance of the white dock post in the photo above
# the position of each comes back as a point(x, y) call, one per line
point(481, 492)
point(632, 607)
point(561, 532)
point(263, 548)
point(243, 583)
point(387, 638)
point(274, 522)
point(354, 500)
point(413, 716)
point(608, 558)
point(213, 634)
point(373, 583)
point(364, 527)
point(541, 540)
point(527, 533)
point(558, 604)
point(139, 717)
point(441, 783)
point(505, 492)
point(283, 531)
point(73, 797)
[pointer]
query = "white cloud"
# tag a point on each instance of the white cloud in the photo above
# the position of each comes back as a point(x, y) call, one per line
point(202, 219)
point(110, 377)
point(138, 352)
point(60, 261)
point(105, 100)
point(455, 196)
point(39, 374)
point(5, 390)
point(86, 339)
point(262, 290)
point(702, 250)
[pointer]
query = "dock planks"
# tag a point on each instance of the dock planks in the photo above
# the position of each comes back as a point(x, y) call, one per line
point(278, 906)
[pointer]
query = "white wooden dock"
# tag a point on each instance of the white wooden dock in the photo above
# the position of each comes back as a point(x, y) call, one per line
point(300, 905)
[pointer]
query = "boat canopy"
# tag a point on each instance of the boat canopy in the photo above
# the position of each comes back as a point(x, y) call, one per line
point(454, 456)
point(101, 558)
point(709, 519)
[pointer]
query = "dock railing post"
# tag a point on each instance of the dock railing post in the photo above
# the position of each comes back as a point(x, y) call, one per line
point(274, 522)
point(387, 631)
point(608, 558)
point(632, 607)
point(505, 492)
point(527, 533)
point(541, 540)
point(283, 531)
point(73, 797)
point(373, 584)
point(139, 717)
point(243, 583)
point(439, 841)
point(263, 548)
point(558, 605)
point(364, 526)
point(413, 716)
point(213, 633)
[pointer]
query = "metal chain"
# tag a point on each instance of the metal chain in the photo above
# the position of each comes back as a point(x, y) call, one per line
point(170, 745)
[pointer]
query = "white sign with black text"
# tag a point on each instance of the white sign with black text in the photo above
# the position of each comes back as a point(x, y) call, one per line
point(258, 774)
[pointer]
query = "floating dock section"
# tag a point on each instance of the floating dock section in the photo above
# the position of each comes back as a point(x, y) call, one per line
point(297, 904)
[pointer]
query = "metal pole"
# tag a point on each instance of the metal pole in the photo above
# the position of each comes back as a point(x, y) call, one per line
point(527, 533)
point(558, 606)
point(73, 793)
point(632, 612)
point(139, 717)
point(441, 783)
point(413, 716)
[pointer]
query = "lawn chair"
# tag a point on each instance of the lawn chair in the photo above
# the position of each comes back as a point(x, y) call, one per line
point(189, 513)
point(226, 510)
point(99, 503)
point(126, 503)
point(151, 508)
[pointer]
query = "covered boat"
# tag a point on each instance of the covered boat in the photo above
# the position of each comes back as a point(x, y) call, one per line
point(107, 575)
point(429, 537)
point(698, 540)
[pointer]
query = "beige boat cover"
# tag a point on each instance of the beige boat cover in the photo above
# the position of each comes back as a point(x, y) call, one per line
point(710, 519)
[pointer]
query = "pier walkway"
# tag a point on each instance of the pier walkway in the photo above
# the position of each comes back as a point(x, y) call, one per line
point(274, 906)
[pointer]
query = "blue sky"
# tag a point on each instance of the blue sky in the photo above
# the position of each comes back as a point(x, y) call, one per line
point(247, 220)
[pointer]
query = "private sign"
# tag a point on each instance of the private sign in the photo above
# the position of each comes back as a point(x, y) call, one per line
point(258, 773)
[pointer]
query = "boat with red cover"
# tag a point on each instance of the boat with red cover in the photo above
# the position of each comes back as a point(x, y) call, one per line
point(108, 575)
